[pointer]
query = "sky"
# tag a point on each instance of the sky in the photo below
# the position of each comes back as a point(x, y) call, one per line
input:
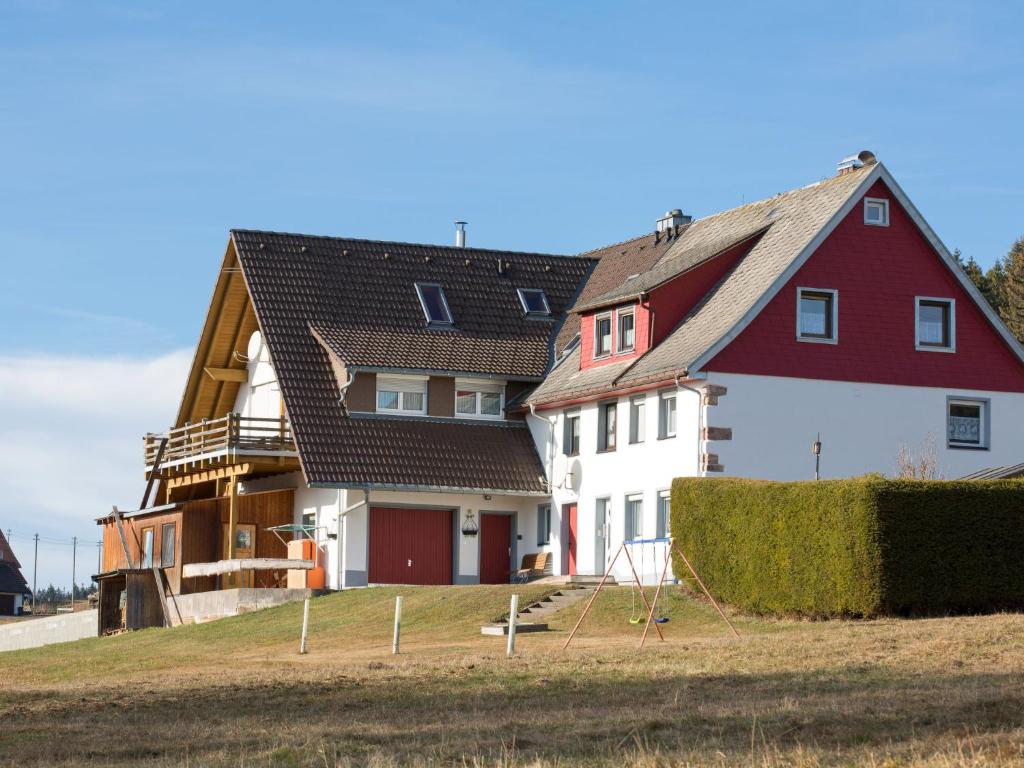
point(134, 135)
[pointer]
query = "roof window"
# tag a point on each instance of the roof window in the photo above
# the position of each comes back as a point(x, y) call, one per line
point(435, 306)
point(535, 303)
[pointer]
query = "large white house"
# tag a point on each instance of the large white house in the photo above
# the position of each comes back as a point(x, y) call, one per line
point(431, 414)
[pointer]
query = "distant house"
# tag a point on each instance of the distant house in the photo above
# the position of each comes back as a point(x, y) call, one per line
point(429, 414)
point(14, 591)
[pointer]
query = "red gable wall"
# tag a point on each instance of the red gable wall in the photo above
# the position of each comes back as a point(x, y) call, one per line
point(878, 271)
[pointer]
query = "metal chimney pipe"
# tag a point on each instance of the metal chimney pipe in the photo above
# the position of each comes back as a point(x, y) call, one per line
point(460, 234)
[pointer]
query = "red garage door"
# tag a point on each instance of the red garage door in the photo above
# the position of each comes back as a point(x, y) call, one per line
point(410, 546)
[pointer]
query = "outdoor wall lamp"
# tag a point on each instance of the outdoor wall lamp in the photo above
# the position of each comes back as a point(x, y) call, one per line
point(469, 526)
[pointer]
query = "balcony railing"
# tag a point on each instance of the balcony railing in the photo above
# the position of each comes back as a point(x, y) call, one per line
point(217, 439)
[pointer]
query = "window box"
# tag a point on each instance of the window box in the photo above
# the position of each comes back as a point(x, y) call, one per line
point(817, 315)
point(967, 423)
point(935, 324)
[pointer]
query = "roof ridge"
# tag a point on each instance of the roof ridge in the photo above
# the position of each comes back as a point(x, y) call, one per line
point(466, 249)
point(627, 241)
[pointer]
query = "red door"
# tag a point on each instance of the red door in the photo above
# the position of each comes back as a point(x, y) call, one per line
point(570, 513)
point(495, 548)
point(410, 546)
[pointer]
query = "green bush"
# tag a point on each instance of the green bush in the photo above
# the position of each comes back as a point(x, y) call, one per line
point(859, 547)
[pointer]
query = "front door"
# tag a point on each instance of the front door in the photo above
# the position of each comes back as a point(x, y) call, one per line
point(495, 548)
point(245, 548)
point(570, 515)
point(600, 542)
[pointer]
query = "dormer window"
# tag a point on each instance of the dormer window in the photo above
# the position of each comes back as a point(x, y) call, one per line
point(402, 394)
point(627, 330)
point(535, 303)
point(876, 212)
point(435, 306)
point(603, 335)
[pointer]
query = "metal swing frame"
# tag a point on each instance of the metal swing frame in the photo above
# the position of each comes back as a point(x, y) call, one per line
point(651, 606)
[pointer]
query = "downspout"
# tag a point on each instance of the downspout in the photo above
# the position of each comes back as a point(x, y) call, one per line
point(551, 442)
point(342, 536)
point(700, 418)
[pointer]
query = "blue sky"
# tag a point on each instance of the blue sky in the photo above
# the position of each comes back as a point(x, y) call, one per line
point(133, 136)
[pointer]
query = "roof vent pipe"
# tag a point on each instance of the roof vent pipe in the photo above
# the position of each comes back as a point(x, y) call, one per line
point(460, 234)
point(853, 162)
point(674, 218)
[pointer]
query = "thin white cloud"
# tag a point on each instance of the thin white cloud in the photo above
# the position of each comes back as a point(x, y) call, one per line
point(71, 442)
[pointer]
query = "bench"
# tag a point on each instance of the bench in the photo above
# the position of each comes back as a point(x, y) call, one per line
point(533, 567)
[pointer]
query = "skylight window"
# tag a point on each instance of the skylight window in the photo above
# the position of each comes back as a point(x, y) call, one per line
point(435, 306)
point(535, 303)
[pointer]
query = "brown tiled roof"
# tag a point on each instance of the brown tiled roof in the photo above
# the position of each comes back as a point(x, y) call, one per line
point(6, 553)
point(789, 223)
point(358, 296)
point(616, 263)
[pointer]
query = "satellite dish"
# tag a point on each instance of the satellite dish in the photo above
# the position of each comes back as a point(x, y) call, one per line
point(574, 477)
point(255, 348)
point(559, 468)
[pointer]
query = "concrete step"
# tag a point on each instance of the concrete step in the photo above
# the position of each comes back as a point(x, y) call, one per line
point(502, 629)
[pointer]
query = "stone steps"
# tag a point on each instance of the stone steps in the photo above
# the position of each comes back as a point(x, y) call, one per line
point(530, 618)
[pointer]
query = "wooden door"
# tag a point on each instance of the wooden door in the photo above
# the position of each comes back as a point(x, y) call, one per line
point(570, 513)
point(410, 546)
point(245, 548)
point(495, 548)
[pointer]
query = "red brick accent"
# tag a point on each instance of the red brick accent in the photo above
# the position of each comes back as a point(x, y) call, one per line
point(878, 271)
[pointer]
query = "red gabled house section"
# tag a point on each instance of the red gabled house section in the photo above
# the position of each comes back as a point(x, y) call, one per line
point(878, 271)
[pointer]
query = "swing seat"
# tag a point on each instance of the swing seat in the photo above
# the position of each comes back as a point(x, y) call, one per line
point(661, 620)
point(637, 620)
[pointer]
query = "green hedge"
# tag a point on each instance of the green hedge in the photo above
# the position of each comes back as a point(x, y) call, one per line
point(859, 547)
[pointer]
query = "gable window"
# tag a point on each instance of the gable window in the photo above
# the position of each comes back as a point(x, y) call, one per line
point(602, 335)
point(666, 415)
point(481, 399)
point(571, 433)
point(402, 394)
point(543, 525)
point(876, 212)
point(167, 538)
point(434, 303)
point(627, 332)
point(817, 315)
point(967, 423)
point(535, 303)
point(936, 324)
point(637, 415)
point(664, 513)
point(634, 517)
point(606, 413)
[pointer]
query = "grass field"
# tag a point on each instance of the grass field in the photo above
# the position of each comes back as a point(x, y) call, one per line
point(943, 692)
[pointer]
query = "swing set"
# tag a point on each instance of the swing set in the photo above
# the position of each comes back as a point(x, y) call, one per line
point(656, 605)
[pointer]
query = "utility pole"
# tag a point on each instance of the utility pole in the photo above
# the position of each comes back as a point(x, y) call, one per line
point(74, 551)
point(35, 570)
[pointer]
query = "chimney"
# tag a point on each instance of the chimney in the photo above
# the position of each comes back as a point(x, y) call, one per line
point(460, 234)
point(853, 162)
point(674, 218)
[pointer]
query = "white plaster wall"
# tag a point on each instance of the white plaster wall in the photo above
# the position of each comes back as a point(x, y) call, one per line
point(644, 468)
point(260, 396)
point(775, 420)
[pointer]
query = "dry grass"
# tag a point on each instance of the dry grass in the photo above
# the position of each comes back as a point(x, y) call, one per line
point(939, 692)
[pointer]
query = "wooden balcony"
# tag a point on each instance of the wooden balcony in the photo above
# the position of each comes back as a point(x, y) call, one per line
point(213, 448)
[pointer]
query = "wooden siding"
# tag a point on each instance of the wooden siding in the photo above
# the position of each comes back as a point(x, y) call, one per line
point(441, 396)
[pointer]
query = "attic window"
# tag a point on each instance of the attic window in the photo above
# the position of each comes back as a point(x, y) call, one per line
point(435, 306)
point(876, 212)
point(535, 303)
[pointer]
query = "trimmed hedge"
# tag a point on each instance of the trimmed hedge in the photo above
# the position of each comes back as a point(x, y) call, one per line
point(859, 547)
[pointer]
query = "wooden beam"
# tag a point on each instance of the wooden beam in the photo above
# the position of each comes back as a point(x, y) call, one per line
point(237, 565)
point(220, 473)
point(239, 375)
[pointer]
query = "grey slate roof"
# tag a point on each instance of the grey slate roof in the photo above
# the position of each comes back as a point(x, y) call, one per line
point(363, 304)
point(792, 219)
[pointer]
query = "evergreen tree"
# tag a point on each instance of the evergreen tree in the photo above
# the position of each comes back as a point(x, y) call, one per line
point(1012, 309)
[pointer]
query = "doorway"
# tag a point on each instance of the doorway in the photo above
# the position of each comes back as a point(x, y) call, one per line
point(569, 512)
point(495, 547)
point(245, 548)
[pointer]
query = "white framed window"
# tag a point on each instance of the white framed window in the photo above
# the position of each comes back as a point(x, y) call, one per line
point(876, 212)
point(666, 414)
point(935, 324)
point(634, 516)
point(637, 419)
point(603, 335)
point(967, 422)
point(434, 303)
point(817, 315)
point(571, 433)
point(664, 514)
point(626, 319)
point(479, 398)
point(607, 416)
point(402, 394)
point(534, 301)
